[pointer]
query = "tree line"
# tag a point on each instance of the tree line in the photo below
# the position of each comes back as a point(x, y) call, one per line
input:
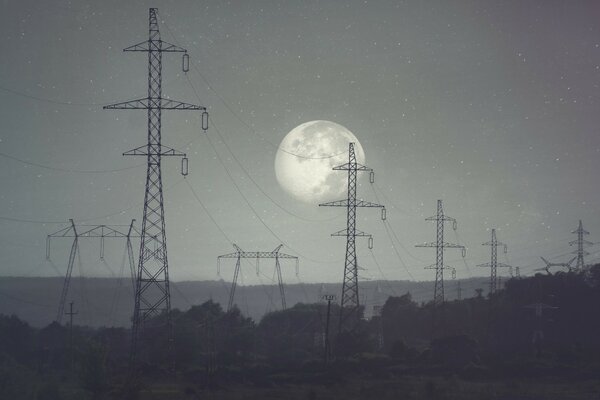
point(545, 325)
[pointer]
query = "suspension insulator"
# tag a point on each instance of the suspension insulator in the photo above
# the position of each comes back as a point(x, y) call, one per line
point(383, 214)
point(102, 248)
point(454, 225)
point(370, 242)
point(453, 273)
point(505, 249)
point(464, 252)
point(372, 177)
point(185, 62)
point(184, 166)
point(257, 266)
point(204, 121)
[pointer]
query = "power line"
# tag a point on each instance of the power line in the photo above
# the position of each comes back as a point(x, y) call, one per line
point(241, 166)
point(243, 122)
point(77, 171)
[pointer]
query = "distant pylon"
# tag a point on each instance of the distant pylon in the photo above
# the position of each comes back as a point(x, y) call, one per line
point(152, 294)
point(549, 264)
point(256, 255)
point(440, 245)
point(350, 302)
point(78, 232)
point(580, 241)
point(494, 264)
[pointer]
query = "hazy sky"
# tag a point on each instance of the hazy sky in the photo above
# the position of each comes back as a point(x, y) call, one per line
point(492, 106)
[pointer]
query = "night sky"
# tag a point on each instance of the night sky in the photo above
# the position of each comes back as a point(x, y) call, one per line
point(492, 106)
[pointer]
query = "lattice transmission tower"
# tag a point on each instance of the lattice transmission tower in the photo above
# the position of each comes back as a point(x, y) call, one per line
point(440, 245)
point(580, 241)
point(152, 294)
point(493, 265)
point(78, 232)
point(239, 254)
point(350, 303)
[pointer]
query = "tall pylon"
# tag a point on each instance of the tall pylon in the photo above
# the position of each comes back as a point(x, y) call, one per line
point(350, 303)
point(494, 264)
point(580, 241)
point(152, 294)
point(440, 246)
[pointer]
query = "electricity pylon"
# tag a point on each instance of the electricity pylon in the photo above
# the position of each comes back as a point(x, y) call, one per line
point(350, 302)
point(440, 246)
point(257, 255)
point(549, 264)
point(152, 294)
point(78, 232)
point(580, 242)
point(494, 264)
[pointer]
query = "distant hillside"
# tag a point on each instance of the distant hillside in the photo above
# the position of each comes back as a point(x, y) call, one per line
point(109, 301)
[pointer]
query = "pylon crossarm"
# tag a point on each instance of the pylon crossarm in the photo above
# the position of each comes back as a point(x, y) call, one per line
point(165, 151)
point(145, 104)
point(583, 241)
point(163, 47)
point(230, 255)
point(287, 256)
point(337, 203)
point(348, 167)
point(139, 104)
point(344, 232)
point(453, 246)
point(142, 46)
point(361, 203)
point(166, 104)
point(442, 218)
point(69, 231)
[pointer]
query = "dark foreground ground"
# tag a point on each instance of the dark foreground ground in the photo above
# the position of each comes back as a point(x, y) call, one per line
point(405, 388)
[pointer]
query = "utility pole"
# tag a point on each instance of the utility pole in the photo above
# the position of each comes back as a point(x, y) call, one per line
point(494, 264)
point(71, 313)
point(580, 241)
point(350, 302)
point(152, 294)
point(440, 246)
point(256, 255)
point(327, 356)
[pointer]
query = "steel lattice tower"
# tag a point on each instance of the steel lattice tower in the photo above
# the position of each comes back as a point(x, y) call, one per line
point(256, 255)
point(350, 303)
point(440, 245)
point(580, 243)
point(494, 264)
point(78, 232)
point(152, 294)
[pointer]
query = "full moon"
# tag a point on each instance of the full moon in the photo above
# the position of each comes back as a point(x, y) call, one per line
point(306, 156)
